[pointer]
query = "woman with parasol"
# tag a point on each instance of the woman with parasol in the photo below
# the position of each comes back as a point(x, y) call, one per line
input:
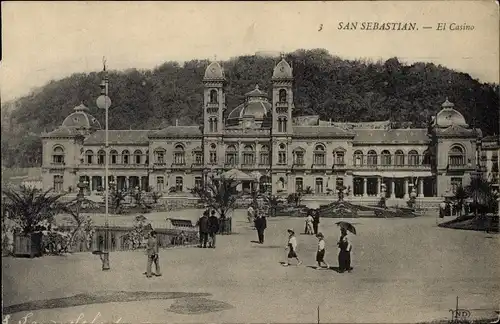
point(345, 246)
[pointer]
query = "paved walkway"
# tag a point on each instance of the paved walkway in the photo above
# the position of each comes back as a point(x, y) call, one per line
point(406, 270)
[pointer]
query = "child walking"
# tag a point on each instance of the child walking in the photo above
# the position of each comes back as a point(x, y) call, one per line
point(320, 254)
point(292, 248)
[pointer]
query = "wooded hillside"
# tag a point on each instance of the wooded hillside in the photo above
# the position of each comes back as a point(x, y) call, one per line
point(324, 84)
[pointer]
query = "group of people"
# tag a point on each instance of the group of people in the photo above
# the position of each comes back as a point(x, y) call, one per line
point(344, 245)
point(312, 222)
point(208, 226)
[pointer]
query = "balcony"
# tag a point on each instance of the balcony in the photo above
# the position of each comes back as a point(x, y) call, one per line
point(319, 167)
point(459, 167)
point(298, 166)
point(339, 167)
point(197, 165)
point(387, 167)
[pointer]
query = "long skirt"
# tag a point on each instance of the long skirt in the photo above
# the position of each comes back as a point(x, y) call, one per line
point(344, 261)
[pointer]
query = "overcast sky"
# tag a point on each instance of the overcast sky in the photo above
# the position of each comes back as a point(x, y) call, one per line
point(51, 40)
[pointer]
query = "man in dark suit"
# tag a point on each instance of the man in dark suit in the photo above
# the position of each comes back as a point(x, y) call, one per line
point(260, 225)
point(315, 222)
point(152, 251)
point(213, 227)
point(203, 229)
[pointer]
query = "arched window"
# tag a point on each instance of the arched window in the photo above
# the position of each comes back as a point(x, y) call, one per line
point(198, 156)
point(231, 155)
point(213, 96)
point(358, 158)
point(399, 158)
point(212, 124)
point(179, 155)
point(137, 156)
point(319, 186)
point(282, 154)
point(338, 156)
point(282, 121)
point(114, 156)
point(101, 157)
point(264, 155)
point(413, 157)
point(213, 154)
point(456, 155)
point(372, 158)
point(265, 184)
point(89, 157)
point(248, 155)
point(298, 156)
point(125, 157)
point(282, 95)
point(319, 155)
point(58, 155)
point(427, 158)
point(179, 184)
point(159, 155)
point(386, 157)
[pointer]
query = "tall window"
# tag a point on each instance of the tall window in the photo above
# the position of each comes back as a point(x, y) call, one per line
point(137, 156)
point(264, 155)
point(179, 183)
point(372, 158)
point(413, 157)
point(319, 185)
point(298, 156)
point(179, 155)
point(160, 156)
point(114, 156)
point(89, 157)
point(358, 158)
point(282, 95)
point(198, 157)
point(147, 157)
point(212, 123)
point(455, 183)
point(299, 184)
point(399, 158)
point(231, 155)
point(319, 155)
point(101, 157)
point(58, 155)
point(339, 182)
point(58, 183)
point(282, 154)
point(456, 156)
point(386, 157)
point(248, 155)
point(282, 124)
point(197, 182)
point(213, 96)
point(213, 154)
point(160, 184)
point(125, 157)
point(339, 157)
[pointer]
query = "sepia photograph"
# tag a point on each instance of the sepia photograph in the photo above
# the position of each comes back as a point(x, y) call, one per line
point(250, 162)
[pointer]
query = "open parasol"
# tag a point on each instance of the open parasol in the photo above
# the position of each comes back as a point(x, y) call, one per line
point(348, 226)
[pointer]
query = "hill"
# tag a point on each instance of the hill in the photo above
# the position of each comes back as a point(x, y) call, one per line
point(343, 90)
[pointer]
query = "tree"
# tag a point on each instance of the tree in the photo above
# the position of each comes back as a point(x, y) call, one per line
point(117, 197)
point(460, 197)
point(482, 194)
point(219, 195)
point(272, 201)
point(80, 222)
point(295, 198)
point(29, 207)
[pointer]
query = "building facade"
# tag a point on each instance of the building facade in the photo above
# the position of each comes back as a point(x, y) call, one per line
point(260, 142)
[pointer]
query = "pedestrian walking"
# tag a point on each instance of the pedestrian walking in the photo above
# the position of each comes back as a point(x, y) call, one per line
point(320, 254)
point(309, 224)
point(213, 228)
point(345, 247)
point(260, 225)
point(292, 248)
point(153, 257)
point(316, 222)
point(250, 214)
point(203, 229)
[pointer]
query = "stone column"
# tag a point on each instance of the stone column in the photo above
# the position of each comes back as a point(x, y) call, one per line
point(406, 189)
point(103, 183)
point(140, 182)
point(91, 183)
point(365, 187)
point(127, 182)
point(393, 188)
point(420, 187)
point(378, 186)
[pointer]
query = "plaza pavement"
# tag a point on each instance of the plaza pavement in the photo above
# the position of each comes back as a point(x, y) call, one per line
point(405, 270)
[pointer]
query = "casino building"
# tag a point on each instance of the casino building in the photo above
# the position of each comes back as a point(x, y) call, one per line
point(261, 143)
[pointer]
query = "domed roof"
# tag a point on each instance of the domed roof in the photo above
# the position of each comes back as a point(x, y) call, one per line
point(256, 93)
point(256, 105)
point(81, 119)
point(214, 72)
point(448, 116)
point(282, 70)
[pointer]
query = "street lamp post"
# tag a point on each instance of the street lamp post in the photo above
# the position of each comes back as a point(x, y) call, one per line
point(104, 102)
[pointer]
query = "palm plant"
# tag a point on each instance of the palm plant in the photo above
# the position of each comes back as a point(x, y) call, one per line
point(482, 195)
point(74, 208)
point(219, 194)
point(273, 202)
point(28, 207)
point(460, 197)
point(117, 197)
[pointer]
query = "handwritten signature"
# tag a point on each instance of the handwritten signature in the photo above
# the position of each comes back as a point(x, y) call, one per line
point(79, 320)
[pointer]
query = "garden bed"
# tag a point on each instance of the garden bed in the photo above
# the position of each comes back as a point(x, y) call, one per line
point(470, 222)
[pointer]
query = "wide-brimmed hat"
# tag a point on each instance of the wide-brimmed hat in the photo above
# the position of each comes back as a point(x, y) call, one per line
point(320, 235)
point(290, 231)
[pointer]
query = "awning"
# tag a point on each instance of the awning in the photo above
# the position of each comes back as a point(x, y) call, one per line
point(393, 174)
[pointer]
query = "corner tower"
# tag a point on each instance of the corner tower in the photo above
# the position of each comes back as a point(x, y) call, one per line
point(282, 99)
point(214, 100)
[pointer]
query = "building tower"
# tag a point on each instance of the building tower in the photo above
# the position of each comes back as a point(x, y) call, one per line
point(213, 99)
point(282, 81)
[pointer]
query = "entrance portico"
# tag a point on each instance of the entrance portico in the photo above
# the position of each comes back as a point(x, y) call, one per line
point(397, 184)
